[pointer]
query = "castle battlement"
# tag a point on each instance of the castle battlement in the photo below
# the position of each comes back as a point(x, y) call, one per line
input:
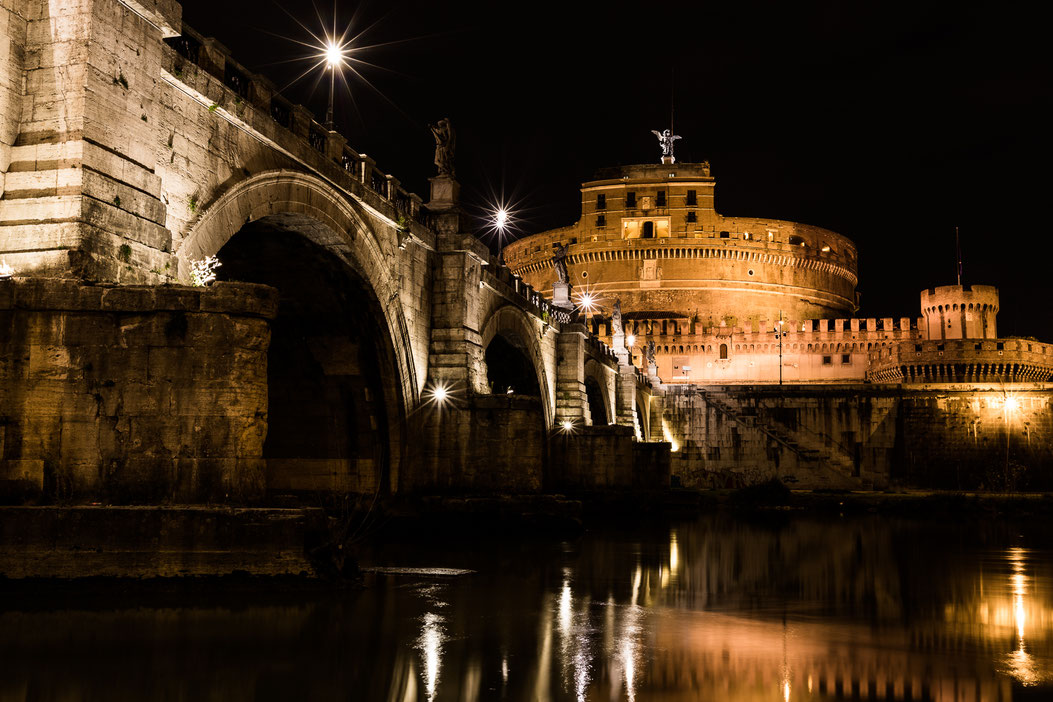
point(962, 361)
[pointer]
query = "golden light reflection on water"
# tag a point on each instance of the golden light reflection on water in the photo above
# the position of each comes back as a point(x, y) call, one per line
point(430, 646)
point(1020, 663)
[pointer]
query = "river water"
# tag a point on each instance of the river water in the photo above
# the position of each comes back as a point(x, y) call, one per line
point(778, 607)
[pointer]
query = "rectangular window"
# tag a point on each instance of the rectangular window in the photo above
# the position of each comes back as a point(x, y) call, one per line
point(692, 198)
point(999, 346)
point(630, 199)
point(846, 359)
point(691, 216)
point(601, 201)
point(979, 347)
point(601, 220)
point(725, 235)
point(827, 361)
point(747, 236)
point(661, 199)
point(917, 347)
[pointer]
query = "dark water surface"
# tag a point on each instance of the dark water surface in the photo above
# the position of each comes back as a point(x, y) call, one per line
point(723, 608)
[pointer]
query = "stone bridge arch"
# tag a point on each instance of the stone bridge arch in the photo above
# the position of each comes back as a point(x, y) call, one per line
point(324, 215)
point(520, 329)
point(347, 262)
point(597, 381)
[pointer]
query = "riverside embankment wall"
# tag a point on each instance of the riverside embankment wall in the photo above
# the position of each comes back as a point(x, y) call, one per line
point(965, 436)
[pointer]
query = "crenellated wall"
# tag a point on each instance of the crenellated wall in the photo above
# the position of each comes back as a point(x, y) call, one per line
point(960, 312)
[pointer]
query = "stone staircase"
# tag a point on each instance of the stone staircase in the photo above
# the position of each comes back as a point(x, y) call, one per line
point(831, 466)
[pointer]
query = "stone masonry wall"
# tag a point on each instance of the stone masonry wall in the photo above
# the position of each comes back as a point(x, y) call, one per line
point(950, 437)
point(972, 439)
point(484, 444)
point(133, 394)
point(606, 457)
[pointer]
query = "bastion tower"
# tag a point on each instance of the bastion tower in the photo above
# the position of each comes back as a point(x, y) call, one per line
point(651, 236)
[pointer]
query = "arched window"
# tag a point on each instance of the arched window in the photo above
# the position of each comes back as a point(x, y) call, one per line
point(723, 351)
point(648, 230)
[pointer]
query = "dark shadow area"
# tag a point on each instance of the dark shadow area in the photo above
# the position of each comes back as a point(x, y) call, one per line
point(597, 407)
point(333, 390)
point(509, 370)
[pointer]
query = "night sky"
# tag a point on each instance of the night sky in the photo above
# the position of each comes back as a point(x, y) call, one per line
point(890, 123)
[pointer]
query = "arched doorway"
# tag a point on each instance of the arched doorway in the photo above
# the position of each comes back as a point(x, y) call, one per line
point(648, 230)
point(334, 404)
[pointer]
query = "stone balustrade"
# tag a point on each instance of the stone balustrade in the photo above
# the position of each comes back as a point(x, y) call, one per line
point(245, 87)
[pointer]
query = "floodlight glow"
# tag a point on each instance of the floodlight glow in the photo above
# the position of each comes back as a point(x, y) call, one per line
point(631, 340)
point(588, 302)
point(6, 271)
point(567, 425)
point(501, 218)
point(1011, 404)
point(440, 394)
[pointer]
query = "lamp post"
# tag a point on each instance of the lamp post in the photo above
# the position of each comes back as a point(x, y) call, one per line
point(334, 58)
point(501, 225)
point(1009, 405)
point(778, 335)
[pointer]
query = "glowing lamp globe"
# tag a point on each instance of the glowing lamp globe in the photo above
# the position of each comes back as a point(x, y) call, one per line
point(333, 55)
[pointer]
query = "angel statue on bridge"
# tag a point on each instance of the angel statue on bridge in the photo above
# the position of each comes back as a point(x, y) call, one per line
point(665, 140)
point(445, 143)
point(559, 262)
point(650, 353)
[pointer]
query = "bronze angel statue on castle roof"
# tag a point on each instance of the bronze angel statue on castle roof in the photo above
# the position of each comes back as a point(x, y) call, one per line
point(665, 140)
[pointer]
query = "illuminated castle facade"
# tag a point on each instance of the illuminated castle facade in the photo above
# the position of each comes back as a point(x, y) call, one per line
point(746, 300)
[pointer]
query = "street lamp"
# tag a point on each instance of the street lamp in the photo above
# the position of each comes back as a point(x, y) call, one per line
point(500, 222)
point(334, 59)
point(779, 332)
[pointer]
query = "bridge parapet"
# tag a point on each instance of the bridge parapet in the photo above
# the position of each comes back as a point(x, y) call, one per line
point(204, 69)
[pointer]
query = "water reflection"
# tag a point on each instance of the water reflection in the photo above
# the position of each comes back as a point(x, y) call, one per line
point(791, 609)
point(430, 645)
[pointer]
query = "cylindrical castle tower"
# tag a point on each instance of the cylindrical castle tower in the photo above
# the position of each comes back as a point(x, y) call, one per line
point(650, 236)
point(960, 312)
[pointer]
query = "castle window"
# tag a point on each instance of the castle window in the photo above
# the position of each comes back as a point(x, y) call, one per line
point(660, 199)
point(692, 198)
point(648, 230)
point(747, 236)
point(1000, 346)
point(630, 199)
point(691, 216)
point(601, 221)
point(601, 201)
point(917, 347)
point(725, 235)
point(979, 347)
point(846, 359)
point(796, 241)
point(827, 361)
point(723, 351)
